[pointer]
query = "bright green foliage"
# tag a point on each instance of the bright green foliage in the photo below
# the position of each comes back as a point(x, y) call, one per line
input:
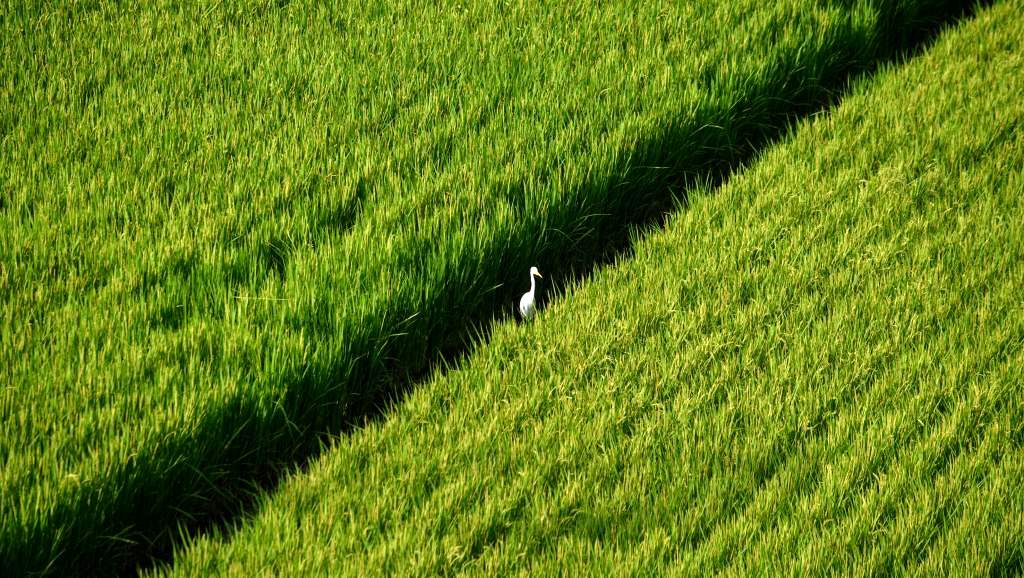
point(816, 370)
point(229, 227)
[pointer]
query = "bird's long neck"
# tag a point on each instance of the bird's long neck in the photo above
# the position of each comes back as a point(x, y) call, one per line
point(533, 283)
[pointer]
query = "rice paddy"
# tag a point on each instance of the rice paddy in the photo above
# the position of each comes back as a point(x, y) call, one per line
point(231, 234)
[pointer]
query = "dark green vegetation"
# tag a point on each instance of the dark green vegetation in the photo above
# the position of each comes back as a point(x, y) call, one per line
point(226, 231)
point(816, 370)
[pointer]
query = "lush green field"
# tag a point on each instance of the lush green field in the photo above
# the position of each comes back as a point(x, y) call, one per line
point(228, 229)
point(816, 369)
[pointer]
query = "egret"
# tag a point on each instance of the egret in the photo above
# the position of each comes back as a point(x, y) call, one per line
point(527, 305)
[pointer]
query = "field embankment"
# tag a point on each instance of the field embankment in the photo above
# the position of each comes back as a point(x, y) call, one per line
point(816, 370)
point(229, 229)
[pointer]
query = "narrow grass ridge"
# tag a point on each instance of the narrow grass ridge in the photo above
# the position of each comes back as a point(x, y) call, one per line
point(815, 370)
point(227, 230)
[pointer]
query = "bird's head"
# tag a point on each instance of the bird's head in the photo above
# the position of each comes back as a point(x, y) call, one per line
point(535, 272)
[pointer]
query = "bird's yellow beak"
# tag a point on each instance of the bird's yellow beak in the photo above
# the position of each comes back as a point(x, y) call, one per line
point(539, 275)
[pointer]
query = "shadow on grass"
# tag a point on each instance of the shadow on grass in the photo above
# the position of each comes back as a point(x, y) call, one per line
point(191, 490)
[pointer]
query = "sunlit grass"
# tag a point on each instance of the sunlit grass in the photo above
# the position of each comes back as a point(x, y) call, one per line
point(816, 370)
point(227, 229)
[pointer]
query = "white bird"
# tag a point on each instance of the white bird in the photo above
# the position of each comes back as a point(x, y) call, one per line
point(527, 306)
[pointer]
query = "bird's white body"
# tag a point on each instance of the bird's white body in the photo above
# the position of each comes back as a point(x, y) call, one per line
point(527, 306)
point(527, 303)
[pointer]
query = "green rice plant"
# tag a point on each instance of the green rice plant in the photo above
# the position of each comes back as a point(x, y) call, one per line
point(816, 370)
point(229, 229)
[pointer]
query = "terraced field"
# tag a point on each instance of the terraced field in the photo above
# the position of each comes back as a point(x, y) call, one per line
point(230, 233)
